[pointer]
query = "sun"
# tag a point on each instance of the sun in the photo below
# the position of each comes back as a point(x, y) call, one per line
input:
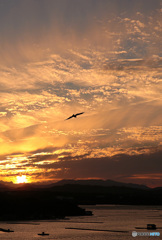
point(21, 179)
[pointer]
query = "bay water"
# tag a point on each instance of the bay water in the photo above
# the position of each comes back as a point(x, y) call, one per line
point(120, 220)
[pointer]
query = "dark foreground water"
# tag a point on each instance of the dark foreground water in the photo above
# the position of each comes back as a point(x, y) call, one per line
point(106, 217)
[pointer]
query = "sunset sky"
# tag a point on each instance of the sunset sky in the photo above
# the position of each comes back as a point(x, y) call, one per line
point(101, 57)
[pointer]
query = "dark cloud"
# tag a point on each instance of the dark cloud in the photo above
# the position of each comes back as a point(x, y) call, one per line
point(116, 167)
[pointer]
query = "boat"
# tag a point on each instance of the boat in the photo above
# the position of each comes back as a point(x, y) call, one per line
point(43, 234)
point(151, 226)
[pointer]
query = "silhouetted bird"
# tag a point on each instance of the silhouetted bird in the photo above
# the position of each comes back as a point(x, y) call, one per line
point(74, 115)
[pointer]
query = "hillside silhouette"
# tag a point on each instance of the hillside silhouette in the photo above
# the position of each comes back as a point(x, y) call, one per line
point(61, 199)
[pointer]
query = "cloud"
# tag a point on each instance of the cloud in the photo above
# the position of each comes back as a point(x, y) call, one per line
point(62, 57)
point(55, 26)
point(119, 167)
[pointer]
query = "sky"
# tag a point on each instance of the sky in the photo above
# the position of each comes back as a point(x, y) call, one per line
point(61, 57)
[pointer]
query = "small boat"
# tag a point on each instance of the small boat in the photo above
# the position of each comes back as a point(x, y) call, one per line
point(43, 234)
point(151, 226)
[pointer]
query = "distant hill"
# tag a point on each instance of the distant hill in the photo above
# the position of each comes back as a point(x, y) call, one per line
point(6, 186)
point(98, 182)
point(3, 187)
point(88, 192)
point(91, 182)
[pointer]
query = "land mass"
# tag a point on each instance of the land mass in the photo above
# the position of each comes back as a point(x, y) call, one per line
point(61, 199)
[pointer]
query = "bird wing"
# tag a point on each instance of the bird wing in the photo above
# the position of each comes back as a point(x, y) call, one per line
point(79, 113)
point(69, 117)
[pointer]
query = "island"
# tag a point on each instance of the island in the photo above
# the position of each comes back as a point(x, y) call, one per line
point(37, 205)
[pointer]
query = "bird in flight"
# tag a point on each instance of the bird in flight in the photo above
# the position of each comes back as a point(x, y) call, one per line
point(74, 115)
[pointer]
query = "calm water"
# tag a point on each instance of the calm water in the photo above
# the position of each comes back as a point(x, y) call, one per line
point(106, 217)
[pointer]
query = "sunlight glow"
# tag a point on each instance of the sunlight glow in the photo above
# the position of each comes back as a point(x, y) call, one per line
point(21, 179)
